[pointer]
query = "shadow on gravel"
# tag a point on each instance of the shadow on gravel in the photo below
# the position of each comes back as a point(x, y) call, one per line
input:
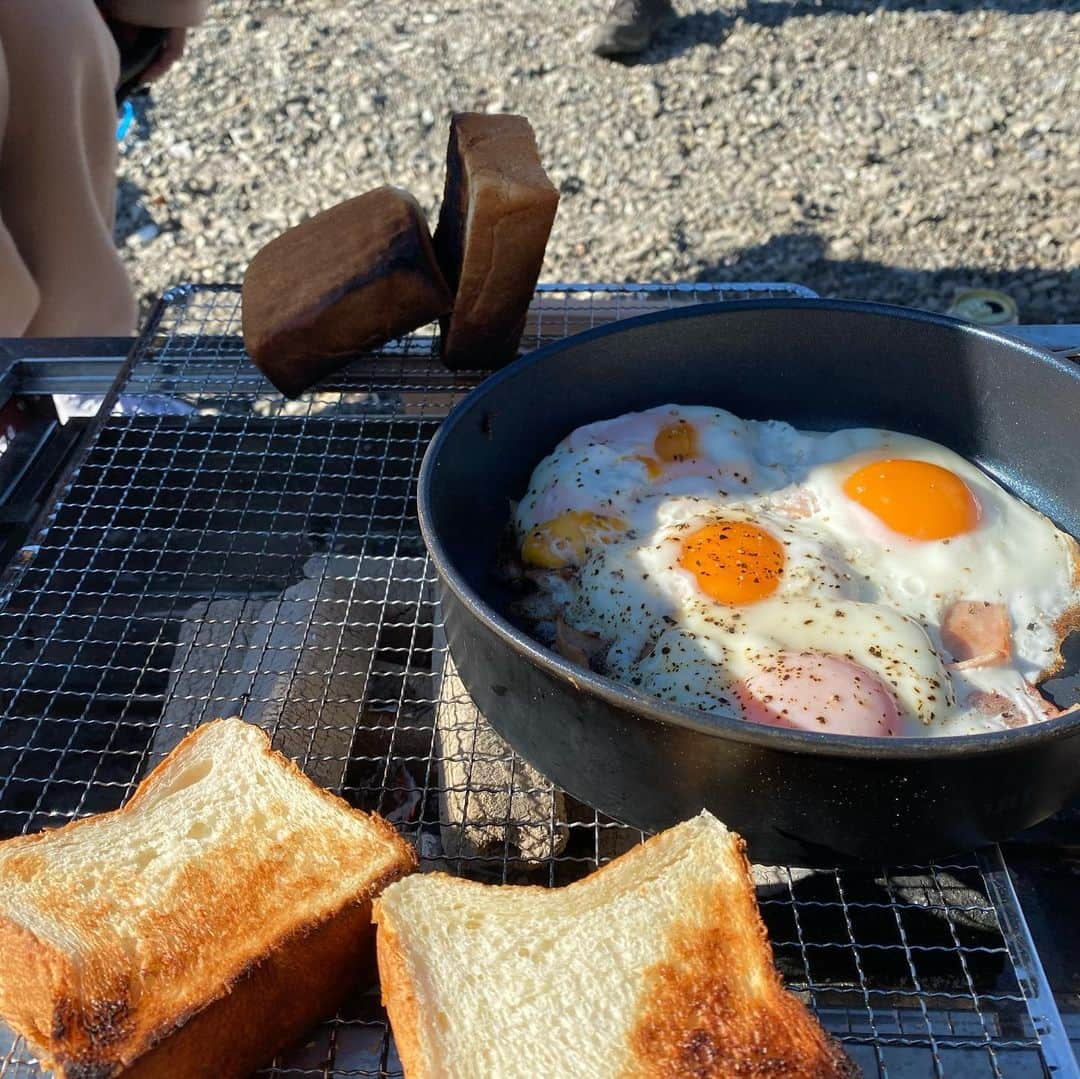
point(1043, 294)
point(712, 27)
point(776, 11)
point(131, 212)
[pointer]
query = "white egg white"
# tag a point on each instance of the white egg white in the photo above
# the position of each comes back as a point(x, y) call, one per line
point(600, 468)
point(1015, 556)
point(894, 647)
point(850, 587)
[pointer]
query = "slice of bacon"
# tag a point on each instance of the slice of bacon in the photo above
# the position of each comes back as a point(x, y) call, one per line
point(992, 703)
point(976, 633)
point(577, 645)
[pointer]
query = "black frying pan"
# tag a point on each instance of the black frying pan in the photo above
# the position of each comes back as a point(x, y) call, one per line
point(799, 798)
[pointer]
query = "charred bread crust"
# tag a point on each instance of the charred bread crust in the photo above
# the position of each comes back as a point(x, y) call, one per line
point(695, 1016)
point(97, 1030)
point(497, 212)
point(35, 986)
point(348, 279)
point(268, 1005)
point(449, 237)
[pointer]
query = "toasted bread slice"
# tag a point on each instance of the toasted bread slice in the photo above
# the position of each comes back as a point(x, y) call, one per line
point(200, 928)
point(348, 279)
point(497, 212)
point(656, 965)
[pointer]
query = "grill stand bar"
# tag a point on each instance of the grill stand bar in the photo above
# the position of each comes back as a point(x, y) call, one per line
point(1039, 997)
point(196, 484)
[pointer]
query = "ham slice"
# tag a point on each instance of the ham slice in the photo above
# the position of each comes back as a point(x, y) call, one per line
point(1012, 713)
point(813, 691)
point(976, 633)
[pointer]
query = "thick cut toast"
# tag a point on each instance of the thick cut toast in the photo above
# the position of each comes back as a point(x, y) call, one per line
point(348, 279)
point(656, 965)
point(497, 212)
point(197, 930)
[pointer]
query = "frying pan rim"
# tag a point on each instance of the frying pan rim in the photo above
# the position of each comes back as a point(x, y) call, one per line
point(646, 706)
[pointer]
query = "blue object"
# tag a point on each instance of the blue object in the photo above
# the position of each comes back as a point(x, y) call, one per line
point(127, 118)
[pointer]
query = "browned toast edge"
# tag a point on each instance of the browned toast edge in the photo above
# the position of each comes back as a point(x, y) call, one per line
point(271, 1005)
point(827, 1061)
point(509, 237)
point(280, 341)
point(399, 1000)
point(43, 977)
point(682, 1027)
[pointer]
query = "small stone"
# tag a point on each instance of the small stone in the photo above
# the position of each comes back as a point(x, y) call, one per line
point(145, 234)
point(843, 248)
point(780, 203)
point(1059, 228)
point(887, 146)
point(652, 104)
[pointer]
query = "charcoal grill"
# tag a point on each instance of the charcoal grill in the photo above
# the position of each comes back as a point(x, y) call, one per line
point(197, 492)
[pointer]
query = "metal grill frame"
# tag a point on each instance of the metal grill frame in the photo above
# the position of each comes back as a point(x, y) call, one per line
point(97, 637)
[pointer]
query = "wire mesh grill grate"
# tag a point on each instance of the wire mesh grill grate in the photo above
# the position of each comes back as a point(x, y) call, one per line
point(218, 550)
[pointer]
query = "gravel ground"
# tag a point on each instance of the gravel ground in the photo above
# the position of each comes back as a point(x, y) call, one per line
point(897, 151)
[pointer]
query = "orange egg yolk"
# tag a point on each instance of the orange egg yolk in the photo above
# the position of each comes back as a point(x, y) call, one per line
point(915, 498)
point(734, 562)
point(676, 442)
point(566, 539)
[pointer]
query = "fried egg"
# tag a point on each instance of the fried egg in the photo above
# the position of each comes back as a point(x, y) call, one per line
point(859, 582)
point(613, 469)
point(927, 530)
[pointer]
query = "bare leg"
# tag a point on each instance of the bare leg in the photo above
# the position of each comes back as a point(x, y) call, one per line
point(58, 165)
point(19, 295)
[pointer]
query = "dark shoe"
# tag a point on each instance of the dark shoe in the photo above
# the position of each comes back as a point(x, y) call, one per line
point(630, 26)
